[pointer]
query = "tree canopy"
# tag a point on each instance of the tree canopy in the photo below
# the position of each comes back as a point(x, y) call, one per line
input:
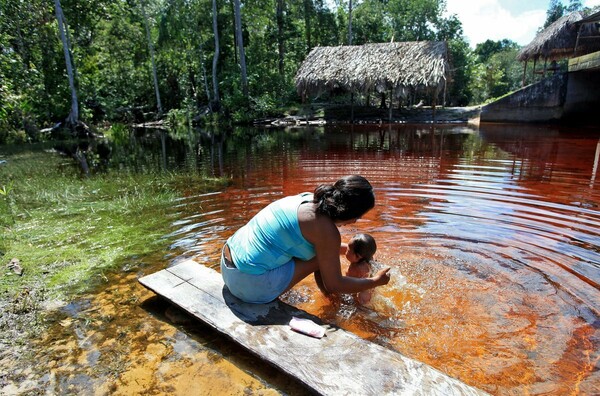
point(116, 47)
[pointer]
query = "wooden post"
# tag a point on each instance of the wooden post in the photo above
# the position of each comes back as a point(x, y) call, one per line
point(577, 40)
point(391, 103)
point(524, 75)
point(533, 73)
point(545, 63)
point(444, 96)
point(434, 104)
point(352, 107)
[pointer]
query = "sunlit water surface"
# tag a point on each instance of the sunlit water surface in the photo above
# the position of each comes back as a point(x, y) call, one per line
point(492, 234)
point(493, 237)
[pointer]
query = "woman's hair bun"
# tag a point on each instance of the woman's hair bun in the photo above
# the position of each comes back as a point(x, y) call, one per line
point(349, 198)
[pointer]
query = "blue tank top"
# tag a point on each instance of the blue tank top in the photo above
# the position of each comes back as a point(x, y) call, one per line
point(272, 237)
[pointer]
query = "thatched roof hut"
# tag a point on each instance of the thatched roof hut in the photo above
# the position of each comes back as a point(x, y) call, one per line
point(374, 67)
point(569, 36)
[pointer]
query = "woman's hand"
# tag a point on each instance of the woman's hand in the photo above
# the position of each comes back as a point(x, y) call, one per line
point(382, 277)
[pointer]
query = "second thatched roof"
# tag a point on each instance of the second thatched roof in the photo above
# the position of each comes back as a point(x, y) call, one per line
point(559, 40)
point(374, 67)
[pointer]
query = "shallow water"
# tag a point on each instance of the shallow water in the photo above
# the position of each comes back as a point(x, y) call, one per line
point(493, 236)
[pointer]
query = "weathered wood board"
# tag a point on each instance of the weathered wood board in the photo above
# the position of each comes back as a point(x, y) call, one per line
point(340, 363)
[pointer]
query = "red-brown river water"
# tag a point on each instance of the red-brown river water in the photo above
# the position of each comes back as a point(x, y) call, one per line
point(492, 234)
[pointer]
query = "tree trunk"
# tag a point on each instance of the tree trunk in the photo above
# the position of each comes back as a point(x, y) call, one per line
point(235, 50)
point(207, 90)
point(280, 39)
point(73, 118)
point(350, 22)
point(240, 44)
point(307, 25)
point(151, 48)
point(216, 98)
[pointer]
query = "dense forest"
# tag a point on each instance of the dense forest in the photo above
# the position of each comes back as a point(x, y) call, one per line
point(103, 61)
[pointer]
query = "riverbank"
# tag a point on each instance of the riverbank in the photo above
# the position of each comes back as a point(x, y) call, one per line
point(322, 114)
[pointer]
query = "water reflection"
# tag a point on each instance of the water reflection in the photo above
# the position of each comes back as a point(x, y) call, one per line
point(493, 236)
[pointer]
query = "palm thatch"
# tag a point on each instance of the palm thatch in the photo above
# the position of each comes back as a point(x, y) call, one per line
point(559, 40)
point(374, 67)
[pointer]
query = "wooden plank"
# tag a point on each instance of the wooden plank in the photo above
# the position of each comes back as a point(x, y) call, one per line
point(585, 62)
point(340, 363)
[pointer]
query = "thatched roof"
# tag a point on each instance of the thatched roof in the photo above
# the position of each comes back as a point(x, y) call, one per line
point(591, 18)
point(558, 40)
point(378, 67)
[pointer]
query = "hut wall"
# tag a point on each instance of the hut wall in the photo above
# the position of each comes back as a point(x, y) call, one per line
point(540, 102)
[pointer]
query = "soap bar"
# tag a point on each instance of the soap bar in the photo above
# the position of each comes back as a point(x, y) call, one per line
point(307, 326)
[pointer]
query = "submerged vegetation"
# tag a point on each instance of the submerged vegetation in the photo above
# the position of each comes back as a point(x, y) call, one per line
point(67, 230)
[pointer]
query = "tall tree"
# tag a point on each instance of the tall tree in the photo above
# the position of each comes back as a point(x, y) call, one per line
point(280, 39)
point(216, 99)
point(555, 10)
point(574, 5)
point(415, 20)
point(73, 117)
point(350, 22)
point(307, 15)
point(151, 49)
point(240, 43)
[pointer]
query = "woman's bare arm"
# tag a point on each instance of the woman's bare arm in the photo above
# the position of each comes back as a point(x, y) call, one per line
point(324, 235)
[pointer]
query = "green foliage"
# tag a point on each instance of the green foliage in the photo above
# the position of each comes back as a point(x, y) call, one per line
point(113, 69)
point(485, 50)
point(555, 10)
point(496, 71)
point(462, 61)
point(369, 25)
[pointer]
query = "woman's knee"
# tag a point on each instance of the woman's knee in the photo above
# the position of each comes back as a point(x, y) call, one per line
point(303, 269)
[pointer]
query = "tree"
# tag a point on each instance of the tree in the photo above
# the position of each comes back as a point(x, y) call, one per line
point(370, 23)
point(555, 10)
point(574, 5)
point(215, 81)
point(240, 44)
point(73, 117)
point(488, 48)
point(460, 59)
point(280, 38)
point(350, 22)
point(415, 20)
point(307, 16)
point(497, 72)
point(151, 49)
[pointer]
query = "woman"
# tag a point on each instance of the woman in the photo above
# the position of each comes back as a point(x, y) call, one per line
point(294, 237)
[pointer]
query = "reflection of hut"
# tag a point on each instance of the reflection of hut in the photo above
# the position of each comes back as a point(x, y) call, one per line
point(569, 36)
point(397, 68)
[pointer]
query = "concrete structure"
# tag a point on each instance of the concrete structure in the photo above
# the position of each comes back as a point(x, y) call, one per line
point(572, 97)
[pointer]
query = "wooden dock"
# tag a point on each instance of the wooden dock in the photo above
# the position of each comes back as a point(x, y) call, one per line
point(340, 363)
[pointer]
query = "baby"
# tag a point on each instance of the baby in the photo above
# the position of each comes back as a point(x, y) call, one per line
point(360, 252)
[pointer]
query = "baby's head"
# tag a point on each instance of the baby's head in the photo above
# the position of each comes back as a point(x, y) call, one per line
point(361, 247)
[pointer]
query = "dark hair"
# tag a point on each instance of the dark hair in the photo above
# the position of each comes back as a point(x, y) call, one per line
point(364, 245)
point(349, 198)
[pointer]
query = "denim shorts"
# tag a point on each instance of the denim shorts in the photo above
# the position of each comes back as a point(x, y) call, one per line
point(257, 289)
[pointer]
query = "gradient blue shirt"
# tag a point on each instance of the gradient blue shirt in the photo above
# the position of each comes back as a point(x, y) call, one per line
point(272, 237)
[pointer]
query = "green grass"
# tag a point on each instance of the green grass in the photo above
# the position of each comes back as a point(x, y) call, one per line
point(68, 230)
